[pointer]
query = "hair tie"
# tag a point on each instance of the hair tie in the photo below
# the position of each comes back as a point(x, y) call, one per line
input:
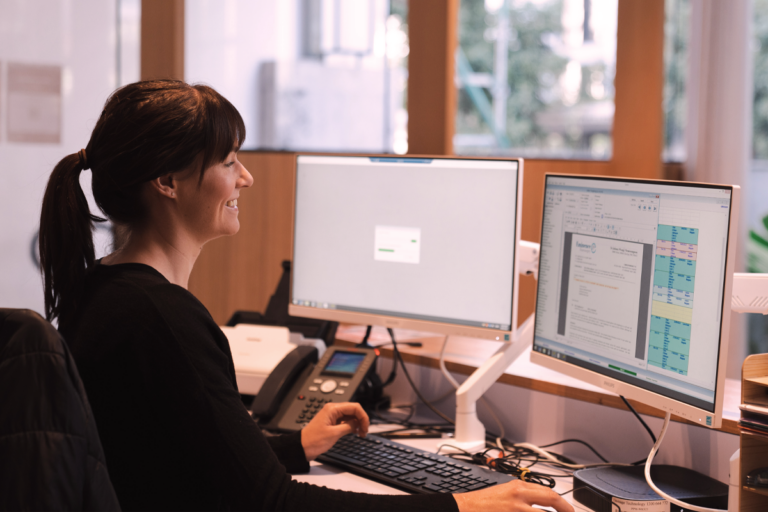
point(83, 159)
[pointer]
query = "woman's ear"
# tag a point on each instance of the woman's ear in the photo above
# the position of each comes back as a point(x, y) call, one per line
point(165, 185)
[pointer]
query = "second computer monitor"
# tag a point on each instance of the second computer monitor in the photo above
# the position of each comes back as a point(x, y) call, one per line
point(634, 288)
point(421, 243)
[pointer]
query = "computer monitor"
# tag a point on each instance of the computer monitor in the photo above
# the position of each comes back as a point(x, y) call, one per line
point(634, 289)
point(420, 243)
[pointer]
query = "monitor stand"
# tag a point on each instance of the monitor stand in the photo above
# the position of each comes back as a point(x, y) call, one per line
point(470, 432)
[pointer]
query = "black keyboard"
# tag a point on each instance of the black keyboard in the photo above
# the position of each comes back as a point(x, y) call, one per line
point(406, 468)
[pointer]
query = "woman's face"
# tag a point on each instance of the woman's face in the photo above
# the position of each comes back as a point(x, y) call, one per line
point(209, 209)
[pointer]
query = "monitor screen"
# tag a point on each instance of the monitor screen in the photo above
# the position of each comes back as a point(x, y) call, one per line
point(423, 243)
point(632, 277)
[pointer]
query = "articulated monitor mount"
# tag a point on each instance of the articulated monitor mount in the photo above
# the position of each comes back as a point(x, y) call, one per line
point(470, 432)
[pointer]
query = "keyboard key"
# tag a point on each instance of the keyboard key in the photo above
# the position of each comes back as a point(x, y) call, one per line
point(349, 460)
point(477, 486)
point(433, 487)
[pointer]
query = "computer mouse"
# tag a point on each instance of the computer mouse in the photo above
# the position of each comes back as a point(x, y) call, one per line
point(758, 478)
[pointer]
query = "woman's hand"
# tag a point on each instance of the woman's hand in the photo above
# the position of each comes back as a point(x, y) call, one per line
point(330, 423)
point(515, 496)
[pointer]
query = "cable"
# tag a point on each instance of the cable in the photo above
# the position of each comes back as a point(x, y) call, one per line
point(649, 462)
point(393, 372)
point(456, 385)
point(550, 457)
point(413, 386)
point(641, 420)
point(365, 343)
point(580, 442)
point(504, 464)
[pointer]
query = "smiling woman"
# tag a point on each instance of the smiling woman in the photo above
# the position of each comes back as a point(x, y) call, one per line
point(157, 369)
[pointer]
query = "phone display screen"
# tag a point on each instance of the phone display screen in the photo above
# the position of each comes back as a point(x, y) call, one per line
point(344, 362)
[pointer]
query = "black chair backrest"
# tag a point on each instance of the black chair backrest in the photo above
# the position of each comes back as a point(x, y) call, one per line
point(50, 454)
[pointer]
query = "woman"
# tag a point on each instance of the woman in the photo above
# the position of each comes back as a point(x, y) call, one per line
point(156, 367)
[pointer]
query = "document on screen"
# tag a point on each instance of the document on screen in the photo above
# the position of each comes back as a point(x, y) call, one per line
point(603, 296)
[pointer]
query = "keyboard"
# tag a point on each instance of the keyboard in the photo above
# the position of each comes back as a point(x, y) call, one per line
point(408, 469)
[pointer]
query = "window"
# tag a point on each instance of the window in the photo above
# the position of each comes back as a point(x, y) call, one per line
point(320, 75)
point(676, 23)
point(757, 205)
point(536, 78)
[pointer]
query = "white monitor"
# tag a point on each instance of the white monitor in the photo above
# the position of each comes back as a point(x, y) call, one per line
point(419, 243)
point(634, 289)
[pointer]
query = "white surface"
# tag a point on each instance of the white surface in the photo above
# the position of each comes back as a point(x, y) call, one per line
point(256, 351)
point(718, 129)
point(79, 36)
point(750, 293)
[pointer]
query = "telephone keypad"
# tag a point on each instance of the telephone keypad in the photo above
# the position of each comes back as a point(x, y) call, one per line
point(312, 388)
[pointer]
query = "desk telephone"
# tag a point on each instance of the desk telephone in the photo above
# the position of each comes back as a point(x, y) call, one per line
point(298, 388)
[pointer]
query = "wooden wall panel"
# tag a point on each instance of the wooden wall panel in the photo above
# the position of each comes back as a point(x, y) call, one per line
point(241, 272)
point(638, 122)
point(432, 31)
point(162, 39)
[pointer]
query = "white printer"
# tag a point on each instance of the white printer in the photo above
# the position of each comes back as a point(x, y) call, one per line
point(257, 349)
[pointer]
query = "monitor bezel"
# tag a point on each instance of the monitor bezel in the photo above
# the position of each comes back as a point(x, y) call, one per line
point(699, 416)
point(358, 318)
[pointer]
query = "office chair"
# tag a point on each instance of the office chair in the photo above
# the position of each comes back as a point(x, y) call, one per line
point(50, 454)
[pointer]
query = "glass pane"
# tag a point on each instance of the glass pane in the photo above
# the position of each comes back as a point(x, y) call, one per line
point(678, 15)
point(536, 78)
point(320, 75)
point(757, 202)
point(58, 63)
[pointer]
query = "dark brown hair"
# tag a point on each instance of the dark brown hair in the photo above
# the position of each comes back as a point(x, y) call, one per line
point(146, 130)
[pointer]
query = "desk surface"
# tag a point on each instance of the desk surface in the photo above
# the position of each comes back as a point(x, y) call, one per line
point(335, 478)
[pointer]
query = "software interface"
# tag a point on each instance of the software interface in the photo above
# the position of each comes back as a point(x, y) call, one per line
point(427, 239)
point(631, 282)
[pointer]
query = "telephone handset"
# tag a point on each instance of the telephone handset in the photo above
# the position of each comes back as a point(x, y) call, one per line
point(296, 390)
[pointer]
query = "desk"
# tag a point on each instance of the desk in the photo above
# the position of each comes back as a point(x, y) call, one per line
point(540, 406)
point(335, 478)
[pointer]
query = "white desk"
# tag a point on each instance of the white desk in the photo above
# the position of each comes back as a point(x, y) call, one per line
point(335, 478)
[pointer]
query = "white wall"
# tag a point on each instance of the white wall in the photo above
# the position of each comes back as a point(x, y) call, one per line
point(79, 36)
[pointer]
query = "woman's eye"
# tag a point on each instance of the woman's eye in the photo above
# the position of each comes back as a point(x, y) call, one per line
point(230, 164)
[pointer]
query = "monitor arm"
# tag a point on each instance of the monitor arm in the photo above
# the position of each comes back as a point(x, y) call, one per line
point(528, 254)
point(470, 432)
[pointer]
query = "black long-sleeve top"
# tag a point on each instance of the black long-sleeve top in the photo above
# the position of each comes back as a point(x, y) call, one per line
point(160, 379)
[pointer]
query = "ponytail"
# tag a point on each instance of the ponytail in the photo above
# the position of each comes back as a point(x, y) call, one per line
point(66, 239)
